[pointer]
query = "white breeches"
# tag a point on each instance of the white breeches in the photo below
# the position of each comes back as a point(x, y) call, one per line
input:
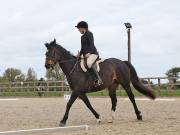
point(91, 58)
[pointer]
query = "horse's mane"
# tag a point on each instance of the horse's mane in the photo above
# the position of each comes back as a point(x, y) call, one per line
point(64, 51)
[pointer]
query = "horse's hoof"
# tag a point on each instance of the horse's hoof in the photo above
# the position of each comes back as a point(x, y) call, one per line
point(110, 120)
point(99, 120)
point(61, 124)
point(139, 117)
point(111, 117)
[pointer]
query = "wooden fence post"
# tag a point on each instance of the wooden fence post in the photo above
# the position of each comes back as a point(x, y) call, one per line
point(159, 86)
point(149, 82)
point(47, 86)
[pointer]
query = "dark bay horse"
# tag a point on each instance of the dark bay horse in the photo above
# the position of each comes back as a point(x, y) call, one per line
point(112, 71)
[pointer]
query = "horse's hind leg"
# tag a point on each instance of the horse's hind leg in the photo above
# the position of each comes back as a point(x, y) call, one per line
point(112, 94)
point(85, 99)
point(131, 97)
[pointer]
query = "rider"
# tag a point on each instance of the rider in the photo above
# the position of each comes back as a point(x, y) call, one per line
point(88, 49)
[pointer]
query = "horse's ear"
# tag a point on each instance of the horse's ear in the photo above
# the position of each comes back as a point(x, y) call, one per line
point(47, 45)
point(54, 41)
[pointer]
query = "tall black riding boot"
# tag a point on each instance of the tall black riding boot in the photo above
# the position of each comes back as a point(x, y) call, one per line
point(99, 80)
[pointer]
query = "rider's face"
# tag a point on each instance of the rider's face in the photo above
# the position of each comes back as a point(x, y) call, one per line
point(82, 30)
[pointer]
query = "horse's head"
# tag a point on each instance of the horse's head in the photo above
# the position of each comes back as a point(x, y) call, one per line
point(56, 53)
point(52, 57)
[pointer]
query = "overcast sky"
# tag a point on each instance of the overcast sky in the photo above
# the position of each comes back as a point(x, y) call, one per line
point(25, 25)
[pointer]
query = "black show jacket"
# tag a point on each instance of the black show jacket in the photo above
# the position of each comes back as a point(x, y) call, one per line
point(87, 44)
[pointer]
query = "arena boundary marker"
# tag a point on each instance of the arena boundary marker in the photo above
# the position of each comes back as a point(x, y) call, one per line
point(46, 130)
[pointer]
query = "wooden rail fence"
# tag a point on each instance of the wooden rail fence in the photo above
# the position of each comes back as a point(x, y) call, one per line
point(157, 83)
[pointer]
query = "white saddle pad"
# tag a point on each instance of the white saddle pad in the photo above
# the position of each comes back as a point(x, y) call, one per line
point(97, 65)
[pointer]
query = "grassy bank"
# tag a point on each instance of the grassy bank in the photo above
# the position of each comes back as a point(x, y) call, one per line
point(104, 93)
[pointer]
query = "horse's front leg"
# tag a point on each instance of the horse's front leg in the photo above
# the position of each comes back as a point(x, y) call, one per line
point(85, 99)
point(73, 97)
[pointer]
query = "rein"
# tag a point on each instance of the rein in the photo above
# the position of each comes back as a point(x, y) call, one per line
point(72, 70)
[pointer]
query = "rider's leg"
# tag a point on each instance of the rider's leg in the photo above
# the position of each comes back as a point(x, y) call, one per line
point(99, 80)
point(91, 64)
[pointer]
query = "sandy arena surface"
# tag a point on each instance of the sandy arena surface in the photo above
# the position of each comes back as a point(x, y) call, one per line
point(159, 117)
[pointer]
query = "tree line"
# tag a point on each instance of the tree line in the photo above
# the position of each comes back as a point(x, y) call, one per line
point(173, 72)
point(16, 75)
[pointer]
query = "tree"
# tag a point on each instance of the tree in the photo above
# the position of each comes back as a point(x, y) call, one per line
point(13, 74)
point(31, 75)
point(2, 79)
point(55, 74)
point(173, 72)
point(50, 75)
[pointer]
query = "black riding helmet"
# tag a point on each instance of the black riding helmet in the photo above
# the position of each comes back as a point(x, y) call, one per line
point(82, 24)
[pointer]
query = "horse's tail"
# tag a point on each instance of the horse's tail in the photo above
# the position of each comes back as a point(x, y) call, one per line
point(137, 84)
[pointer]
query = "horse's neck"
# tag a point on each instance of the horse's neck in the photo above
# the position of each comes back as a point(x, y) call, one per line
point(66, 68)
point(67, 65)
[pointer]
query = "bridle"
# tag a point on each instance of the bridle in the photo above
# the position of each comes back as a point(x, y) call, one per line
point(54, 60)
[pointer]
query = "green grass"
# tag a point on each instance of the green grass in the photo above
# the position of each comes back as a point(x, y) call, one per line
point(122, 93)
point(104, 93)
point(30, 94)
